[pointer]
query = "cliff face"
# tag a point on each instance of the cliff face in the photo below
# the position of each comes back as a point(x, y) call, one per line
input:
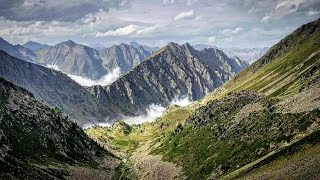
point(173, 71)
point(122, 56)
point(77, 59)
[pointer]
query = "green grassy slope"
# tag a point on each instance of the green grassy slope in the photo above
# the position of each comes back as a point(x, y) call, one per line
point(284, 69)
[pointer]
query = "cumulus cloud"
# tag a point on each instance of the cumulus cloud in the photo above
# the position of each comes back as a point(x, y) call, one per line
point(45, 10)
point(185, 15)
point(287, 7)
point(83, 81)
point(83, 25)
point(313, 13)
point(229, 32)
point(166, 2)
point(128, 30)
point(105, 80)
point(155, 111)
point(131, 29)
point(212, 39)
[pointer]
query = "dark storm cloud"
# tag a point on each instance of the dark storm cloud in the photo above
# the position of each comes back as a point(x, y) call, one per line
point(60, 10)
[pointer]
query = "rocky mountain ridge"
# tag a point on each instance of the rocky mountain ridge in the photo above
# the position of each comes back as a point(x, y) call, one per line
point(174, 71)
point(249, 55)
point(34, 45)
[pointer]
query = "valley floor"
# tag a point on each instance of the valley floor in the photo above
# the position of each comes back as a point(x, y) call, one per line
point(152, 167)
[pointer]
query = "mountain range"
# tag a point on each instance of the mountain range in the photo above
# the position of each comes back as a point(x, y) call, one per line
point(34, 45)
point(81, 60)
point(181, 71)
point(247, 54)
point(173, 71)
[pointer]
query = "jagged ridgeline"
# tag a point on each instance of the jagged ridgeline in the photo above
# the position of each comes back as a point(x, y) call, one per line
point(173, 71)
point(263, 123)
point(37, 142)
point(81, 60)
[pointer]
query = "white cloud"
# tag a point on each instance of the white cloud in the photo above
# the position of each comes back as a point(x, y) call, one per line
point(183, 101)
point(287, 7)
point(155, 111)
point(53, 66)
point(131, 29)
point(128, 30)
point(266, 19)
point(212, 39)
point(166, 2)
point(312, 13)
point(83, 81)
point(185, 15)
point(230, 32)
point(105, 80)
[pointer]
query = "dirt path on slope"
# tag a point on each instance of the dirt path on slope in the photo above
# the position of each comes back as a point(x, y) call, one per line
point(151, 167)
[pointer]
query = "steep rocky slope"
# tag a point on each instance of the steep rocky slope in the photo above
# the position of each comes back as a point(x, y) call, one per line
point(285, 69)
point(124, 56)
point(17, 50)
point(37, 142)
point(151, 50)
point(72, 58)
point(77, 59)
point(173, 71)
point(34, 45)
point(53, 87)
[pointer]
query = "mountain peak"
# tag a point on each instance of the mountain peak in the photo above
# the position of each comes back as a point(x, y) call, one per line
point(173, 45)
point(187, 44)
point(68, 43)
point(32, 45)
point(135, 44)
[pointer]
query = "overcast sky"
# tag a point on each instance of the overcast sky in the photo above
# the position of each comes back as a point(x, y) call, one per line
point(227, 23)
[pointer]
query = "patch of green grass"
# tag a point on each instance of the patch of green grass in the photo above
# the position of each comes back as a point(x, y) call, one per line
point(281, 76)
